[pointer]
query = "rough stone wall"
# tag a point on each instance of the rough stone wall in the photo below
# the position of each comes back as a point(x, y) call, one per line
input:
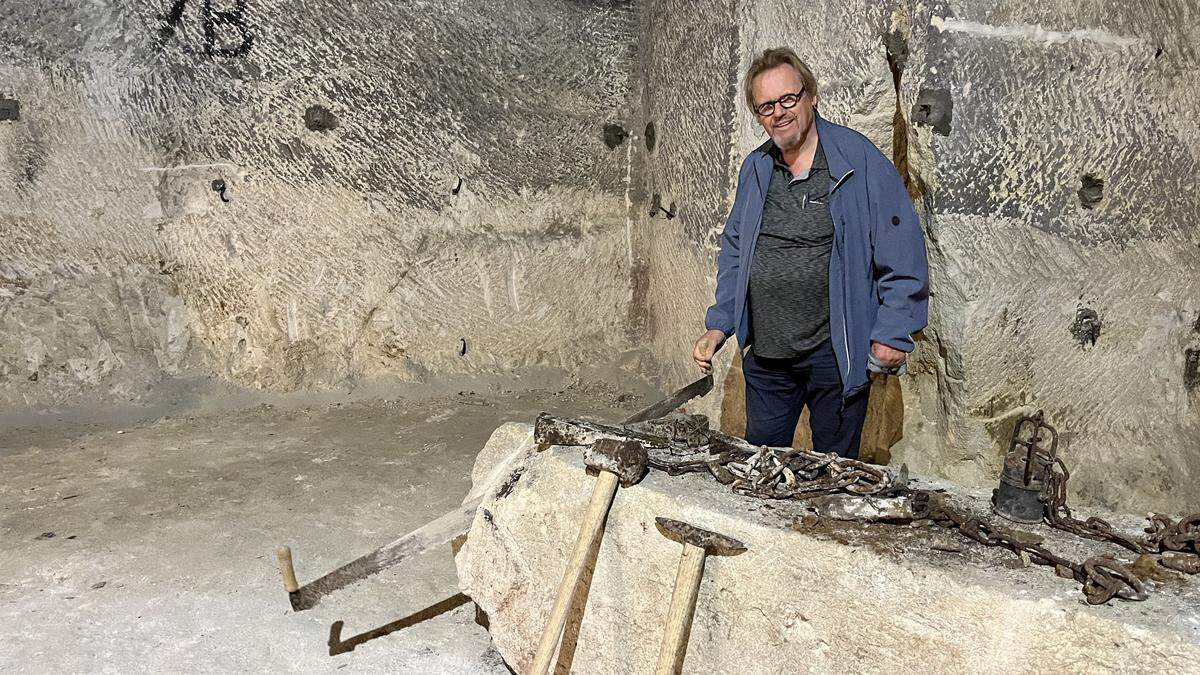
point(1049, 291)
point(401, 181)
point(1003, 116)
point(687, 64)
point(453, 187)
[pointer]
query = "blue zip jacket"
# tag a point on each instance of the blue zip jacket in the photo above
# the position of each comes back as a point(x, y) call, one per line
point(878, 272)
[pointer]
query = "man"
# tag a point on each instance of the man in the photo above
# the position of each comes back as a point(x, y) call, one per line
point(822, 271)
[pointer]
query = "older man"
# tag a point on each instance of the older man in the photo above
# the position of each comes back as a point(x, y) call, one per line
point(822, 273)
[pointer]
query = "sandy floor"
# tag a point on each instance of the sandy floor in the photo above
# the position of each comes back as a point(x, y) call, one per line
point(148, 546)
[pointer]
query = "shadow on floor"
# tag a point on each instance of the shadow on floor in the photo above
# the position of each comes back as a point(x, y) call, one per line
point(339, 646)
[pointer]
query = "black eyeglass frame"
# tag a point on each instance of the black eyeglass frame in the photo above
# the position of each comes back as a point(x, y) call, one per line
point(782, 101)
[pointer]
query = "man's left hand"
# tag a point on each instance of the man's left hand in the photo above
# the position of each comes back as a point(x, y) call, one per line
point(887, 355)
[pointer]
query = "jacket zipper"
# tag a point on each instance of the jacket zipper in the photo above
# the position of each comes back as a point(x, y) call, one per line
point(841, 180)
point(845, 336)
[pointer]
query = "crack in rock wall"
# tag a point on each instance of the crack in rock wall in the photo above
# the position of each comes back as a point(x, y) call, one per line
point(304, 198)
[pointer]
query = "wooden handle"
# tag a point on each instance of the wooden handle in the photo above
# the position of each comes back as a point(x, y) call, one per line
point(589, 531)
point(285, 568)
point(679, 616)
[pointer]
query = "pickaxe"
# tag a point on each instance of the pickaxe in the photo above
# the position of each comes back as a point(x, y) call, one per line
point(448, 526)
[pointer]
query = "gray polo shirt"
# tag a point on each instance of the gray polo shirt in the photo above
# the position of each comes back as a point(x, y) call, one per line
point(789, 276)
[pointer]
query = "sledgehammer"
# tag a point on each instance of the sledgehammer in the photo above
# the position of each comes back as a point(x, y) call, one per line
point(614, 461)
point(697, 544)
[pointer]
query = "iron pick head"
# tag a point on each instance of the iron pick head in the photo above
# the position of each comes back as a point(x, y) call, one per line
point(711, 542)
point(626, 459)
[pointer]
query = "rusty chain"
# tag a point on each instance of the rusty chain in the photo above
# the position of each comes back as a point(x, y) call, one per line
point(783, 473)
point(1103, 578)
point(684, 443)
point(1058, 515)
point(779, 473)
point(1162, 534)
point(788, 473)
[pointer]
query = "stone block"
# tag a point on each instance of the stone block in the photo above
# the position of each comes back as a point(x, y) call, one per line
point(826, 598)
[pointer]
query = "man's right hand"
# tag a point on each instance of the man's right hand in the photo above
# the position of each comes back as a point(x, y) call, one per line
point(706, 347)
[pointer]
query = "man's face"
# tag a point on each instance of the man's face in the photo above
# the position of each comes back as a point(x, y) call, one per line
point(788, 127)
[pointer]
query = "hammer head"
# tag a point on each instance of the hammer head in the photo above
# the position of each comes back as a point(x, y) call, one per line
point(711, 542)
point(626, 459)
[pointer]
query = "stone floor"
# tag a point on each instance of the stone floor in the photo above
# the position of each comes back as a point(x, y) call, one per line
point(147, 546)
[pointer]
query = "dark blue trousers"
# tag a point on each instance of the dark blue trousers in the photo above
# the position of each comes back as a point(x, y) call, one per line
point(778, 389)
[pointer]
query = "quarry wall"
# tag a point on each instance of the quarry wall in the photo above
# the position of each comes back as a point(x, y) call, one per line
point(285, 199)
point(1057, 147)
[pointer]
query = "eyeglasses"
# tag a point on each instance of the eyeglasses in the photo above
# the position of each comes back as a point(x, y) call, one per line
point(786, 101)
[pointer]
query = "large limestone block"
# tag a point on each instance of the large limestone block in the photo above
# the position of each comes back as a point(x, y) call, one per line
point(829, 599)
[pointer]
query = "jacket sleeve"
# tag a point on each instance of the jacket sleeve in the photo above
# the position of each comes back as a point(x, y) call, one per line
point(900, 262)
point(720, 314)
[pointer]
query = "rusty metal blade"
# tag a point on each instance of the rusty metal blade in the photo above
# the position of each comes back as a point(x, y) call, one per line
point(664, 407)
point(453, 523)
point(433, 533)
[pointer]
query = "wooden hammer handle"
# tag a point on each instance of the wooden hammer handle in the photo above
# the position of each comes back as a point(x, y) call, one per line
point(285, 568)
point(590, 530)
point(683, 606)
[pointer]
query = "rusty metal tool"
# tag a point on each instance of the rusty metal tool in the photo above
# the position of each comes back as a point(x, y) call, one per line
point(443, 529)
point(436, 532)
point(697, 545)
point(613, 462)
point(1026, 471)
point(698, 388)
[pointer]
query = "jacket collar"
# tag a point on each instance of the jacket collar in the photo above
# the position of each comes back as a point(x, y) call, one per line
point(830, 135)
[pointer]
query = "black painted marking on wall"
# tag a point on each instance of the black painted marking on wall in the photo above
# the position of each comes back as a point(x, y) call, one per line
point(10, 110)
point(1086, 327)
point(1091, 191)
point(1191, 369)
point(319, 118)
point(934, 108)
point(651, 136)
point(614, 135)
point(217, 24)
